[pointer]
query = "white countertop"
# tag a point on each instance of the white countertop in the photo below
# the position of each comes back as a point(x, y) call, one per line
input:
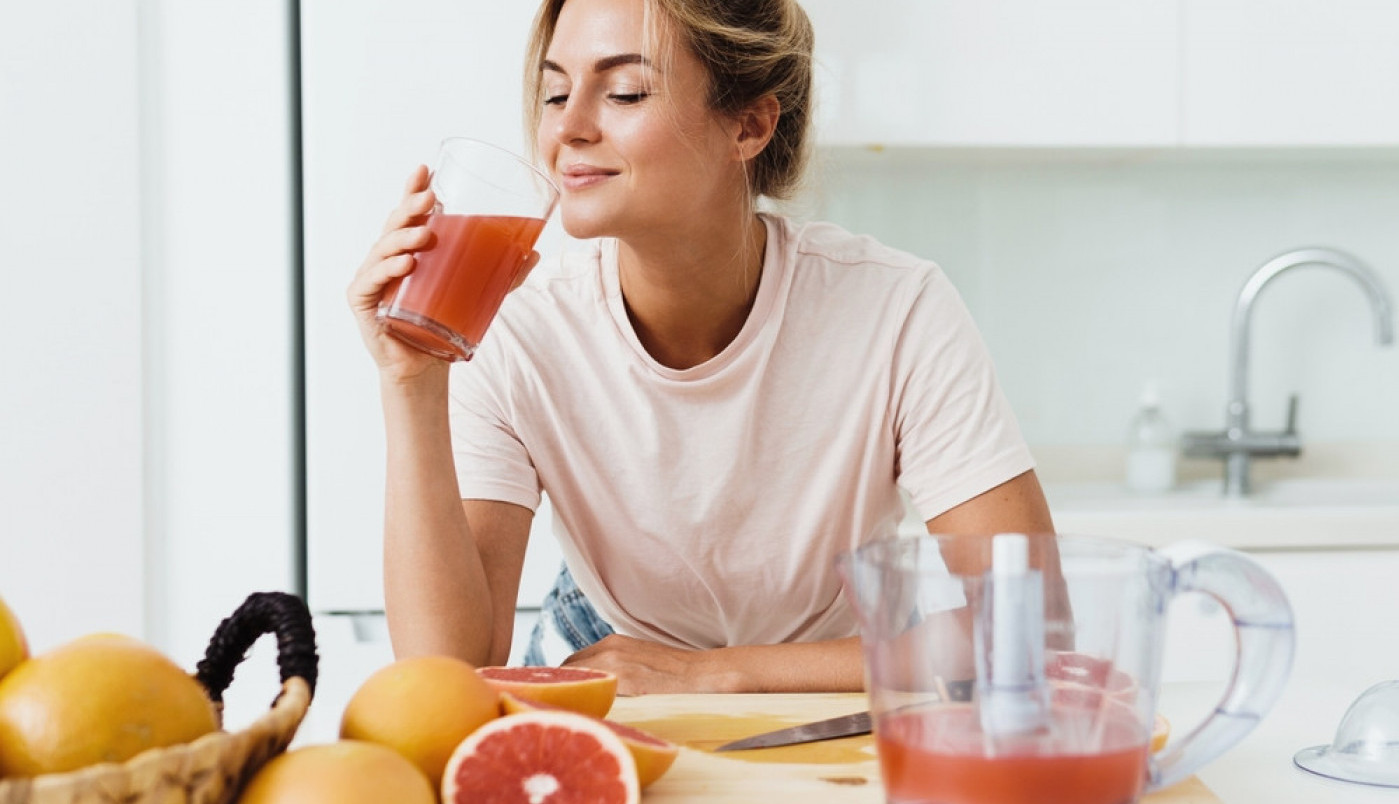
point(1260, 769)
point(1283, 514)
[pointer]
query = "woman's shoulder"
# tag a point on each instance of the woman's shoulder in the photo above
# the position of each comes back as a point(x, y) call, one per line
point(831, 243)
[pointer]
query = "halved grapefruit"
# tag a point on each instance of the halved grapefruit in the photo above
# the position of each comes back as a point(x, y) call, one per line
point(1160, 733)
point(653, 756)
point(1090, 671)
point(577, 689)
point(541, 757)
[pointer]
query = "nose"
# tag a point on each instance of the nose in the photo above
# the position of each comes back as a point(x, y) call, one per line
point(576, 122)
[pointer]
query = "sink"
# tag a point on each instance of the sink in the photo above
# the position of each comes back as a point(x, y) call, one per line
point(1294, 513)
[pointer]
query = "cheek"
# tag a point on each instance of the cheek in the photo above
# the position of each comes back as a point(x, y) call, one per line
point(668, 146)
point(546, 147)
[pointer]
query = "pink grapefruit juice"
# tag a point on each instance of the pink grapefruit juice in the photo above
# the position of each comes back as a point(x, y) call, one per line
point(459, 281)
point(937, 757)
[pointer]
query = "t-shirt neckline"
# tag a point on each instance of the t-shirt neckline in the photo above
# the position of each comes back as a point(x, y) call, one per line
point(769, 288)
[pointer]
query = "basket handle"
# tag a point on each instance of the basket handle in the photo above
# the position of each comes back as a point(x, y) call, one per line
point(277, 613)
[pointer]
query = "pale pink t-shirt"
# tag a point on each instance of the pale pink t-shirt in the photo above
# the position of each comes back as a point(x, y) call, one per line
point(705, 507)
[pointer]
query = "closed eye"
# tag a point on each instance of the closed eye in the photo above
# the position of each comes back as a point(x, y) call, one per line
point(627, 98)
point(555, 100)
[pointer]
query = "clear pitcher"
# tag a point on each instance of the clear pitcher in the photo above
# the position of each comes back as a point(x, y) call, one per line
point(1025, 668)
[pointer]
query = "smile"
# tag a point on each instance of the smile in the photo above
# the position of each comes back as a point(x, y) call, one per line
point(581, 177)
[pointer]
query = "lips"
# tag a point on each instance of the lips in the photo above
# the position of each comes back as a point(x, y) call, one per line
point(580, 176)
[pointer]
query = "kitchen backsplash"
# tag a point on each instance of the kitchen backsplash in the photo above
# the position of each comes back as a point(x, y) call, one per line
point(1092, 272)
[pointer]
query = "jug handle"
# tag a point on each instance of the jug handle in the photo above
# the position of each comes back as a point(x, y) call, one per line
point(1263, 628)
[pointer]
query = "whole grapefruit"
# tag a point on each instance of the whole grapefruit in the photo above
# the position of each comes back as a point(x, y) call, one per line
point(13, 647)
point(421, 707)
point(345, 772)
point(96, 699)
point(541, 756)
point(577, 689)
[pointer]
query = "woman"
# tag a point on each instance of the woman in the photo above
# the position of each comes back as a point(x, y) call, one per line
point(718, 402)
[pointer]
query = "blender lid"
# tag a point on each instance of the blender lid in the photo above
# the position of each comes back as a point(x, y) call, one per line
point(1366, 747)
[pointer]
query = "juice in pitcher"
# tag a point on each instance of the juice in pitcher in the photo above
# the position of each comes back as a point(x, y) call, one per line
point(940, 756)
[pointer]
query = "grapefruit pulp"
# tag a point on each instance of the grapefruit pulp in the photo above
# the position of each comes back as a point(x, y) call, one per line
point(541, 757)
point(577, 689)
point(653, 756)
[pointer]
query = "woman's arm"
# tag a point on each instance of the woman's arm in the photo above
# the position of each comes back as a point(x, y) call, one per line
point(1018, 505)
point(646, 667)
point(451, 567)
point(1015, 506)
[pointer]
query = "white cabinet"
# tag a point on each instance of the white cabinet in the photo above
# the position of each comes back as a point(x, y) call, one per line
point(1101, 73)
point(1008, 72)
point(1301, 72)
point(1342, 602)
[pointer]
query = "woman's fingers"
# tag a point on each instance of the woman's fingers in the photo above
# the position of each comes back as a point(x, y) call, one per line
point(367, 289)
point(399, 241)
point(418, 200)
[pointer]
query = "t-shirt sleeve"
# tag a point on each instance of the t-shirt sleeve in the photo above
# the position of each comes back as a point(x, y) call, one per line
point(492, 462)
point(956, 434)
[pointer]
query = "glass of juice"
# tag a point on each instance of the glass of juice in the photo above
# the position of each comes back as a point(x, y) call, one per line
point(491, 207)
point(1025, 668)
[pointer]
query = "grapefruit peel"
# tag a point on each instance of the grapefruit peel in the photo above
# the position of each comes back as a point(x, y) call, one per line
point(577, 689)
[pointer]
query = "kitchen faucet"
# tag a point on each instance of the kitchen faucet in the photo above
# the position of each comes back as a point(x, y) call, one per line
point(1237, 444)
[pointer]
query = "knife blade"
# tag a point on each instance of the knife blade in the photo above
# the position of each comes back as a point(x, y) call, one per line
point(843, 726)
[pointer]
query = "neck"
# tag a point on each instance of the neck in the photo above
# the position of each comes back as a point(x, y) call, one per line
point(688, 293)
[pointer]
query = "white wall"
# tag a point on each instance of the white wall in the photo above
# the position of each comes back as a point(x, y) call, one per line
point(71, 363)
point(146, 389)
point(1091, 272)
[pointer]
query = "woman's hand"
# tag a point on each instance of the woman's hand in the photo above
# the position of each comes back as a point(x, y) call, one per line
point(644, 667)
point(390, 258)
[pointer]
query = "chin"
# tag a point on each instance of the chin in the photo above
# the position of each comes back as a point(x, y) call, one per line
point(585, 224)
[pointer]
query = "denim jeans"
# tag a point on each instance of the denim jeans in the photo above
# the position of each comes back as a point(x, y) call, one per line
point(567, 623)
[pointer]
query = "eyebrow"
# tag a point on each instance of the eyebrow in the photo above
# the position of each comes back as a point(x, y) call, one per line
point(604, 64)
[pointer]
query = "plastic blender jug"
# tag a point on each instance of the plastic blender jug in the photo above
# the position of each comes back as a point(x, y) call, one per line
point(1059, 640)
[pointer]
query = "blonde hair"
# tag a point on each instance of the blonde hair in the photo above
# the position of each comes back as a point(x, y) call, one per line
point(748, 49)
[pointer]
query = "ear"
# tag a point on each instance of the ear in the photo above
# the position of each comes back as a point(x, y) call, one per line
point(756, 125)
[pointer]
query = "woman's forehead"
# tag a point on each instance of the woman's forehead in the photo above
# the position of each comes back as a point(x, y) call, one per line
point(588, 30)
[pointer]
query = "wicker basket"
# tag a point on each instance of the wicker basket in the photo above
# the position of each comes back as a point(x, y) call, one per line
point(214, 768)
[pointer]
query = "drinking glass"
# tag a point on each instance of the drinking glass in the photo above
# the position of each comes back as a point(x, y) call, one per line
point(491, 207)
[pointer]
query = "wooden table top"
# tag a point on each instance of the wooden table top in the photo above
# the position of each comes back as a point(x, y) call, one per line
point(842, 771)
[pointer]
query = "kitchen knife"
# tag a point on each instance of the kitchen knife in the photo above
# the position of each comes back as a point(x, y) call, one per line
point(843, 726)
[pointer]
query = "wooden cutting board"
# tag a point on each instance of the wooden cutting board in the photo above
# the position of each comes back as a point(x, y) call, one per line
point(828, 772)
